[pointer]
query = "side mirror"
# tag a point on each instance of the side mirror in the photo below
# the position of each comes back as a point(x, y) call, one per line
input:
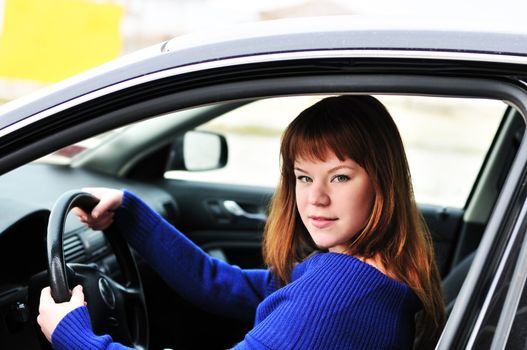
point(198, 151)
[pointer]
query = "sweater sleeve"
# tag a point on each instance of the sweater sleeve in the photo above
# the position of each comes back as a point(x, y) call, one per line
point(74, 332)
point(207, 282)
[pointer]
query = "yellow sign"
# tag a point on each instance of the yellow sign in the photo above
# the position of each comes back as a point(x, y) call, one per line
point(49, 40)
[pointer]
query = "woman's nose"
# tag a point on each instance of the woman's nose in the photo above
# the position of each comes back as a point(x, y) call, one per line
point(319, 195)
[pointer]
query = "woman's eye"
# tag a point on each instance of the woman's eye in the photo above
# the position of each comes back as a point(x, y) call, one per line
point(340, 178)
point(303, 178)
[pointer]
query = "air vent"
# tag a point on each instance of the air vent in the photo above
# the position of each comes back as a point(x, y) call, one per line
point(74, 249)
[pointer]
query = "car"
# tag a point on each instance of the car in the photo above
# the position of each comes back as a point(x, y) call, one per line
point(192, 125)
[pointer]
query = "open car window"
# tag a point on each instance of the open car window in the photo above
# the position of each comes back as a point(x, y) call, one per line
point(446, 140)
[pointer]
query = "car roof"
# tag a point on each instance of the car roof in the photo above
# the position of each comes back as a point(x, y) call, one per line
point(359, 32)
point(402, 36)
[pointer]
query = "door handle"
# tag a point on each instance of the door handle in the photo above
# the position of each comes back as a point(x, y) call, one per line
point(234, 208)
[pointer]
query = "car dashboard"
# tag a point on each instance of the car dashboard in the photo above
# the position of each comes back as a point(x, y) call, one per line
point(27, 196)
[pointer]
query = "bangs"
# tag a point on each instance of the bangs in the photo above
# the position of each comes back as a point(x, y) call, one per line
point(317, 137)
point(316, 148)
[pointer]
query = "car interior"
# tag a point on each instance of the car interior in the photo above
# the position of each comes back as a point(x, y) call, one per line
point(156, 159)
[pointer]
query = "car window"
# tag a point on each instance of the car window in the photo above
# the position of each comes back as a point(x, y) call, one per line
point(446, 140)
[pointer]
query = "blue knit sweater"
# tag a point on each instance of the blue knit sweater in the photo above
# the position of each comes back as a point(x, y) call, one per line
point(334, 301)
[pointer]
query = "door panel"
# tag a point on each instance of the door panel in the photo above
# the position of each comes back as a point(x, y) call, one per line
point(226, 221)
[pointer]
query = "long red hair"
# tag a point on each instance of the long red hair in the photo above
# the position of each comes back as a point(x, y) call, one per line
point(358, 127)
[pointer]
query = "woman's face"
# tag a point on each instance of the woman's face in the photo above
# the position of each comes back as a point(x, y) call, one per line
point(334, 199)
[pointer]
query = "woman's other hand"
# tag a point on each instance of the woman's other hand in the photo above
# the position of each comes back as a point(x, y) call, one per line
point(101, 217)
point(51, 313)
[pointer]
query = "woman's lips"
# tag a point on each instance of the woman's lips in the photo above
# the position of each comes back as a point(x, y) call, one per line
point(321, 221)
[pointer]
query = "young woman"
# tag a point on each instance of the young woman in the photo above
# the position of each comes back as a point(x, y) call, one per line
point(351, 263)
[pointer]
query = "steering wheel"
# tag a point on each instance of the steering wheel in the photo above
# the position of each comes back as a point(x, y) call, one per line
point(115, 308)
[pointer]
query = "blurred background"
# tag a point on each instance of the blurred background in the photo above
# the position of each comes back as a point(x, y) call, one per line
point(44, 41)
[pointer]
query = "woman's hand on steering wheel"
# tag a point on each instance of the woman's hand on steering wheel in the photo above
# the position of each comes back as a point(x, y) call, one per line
point(116, 308)
point(51, 313)
point(101, 217)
